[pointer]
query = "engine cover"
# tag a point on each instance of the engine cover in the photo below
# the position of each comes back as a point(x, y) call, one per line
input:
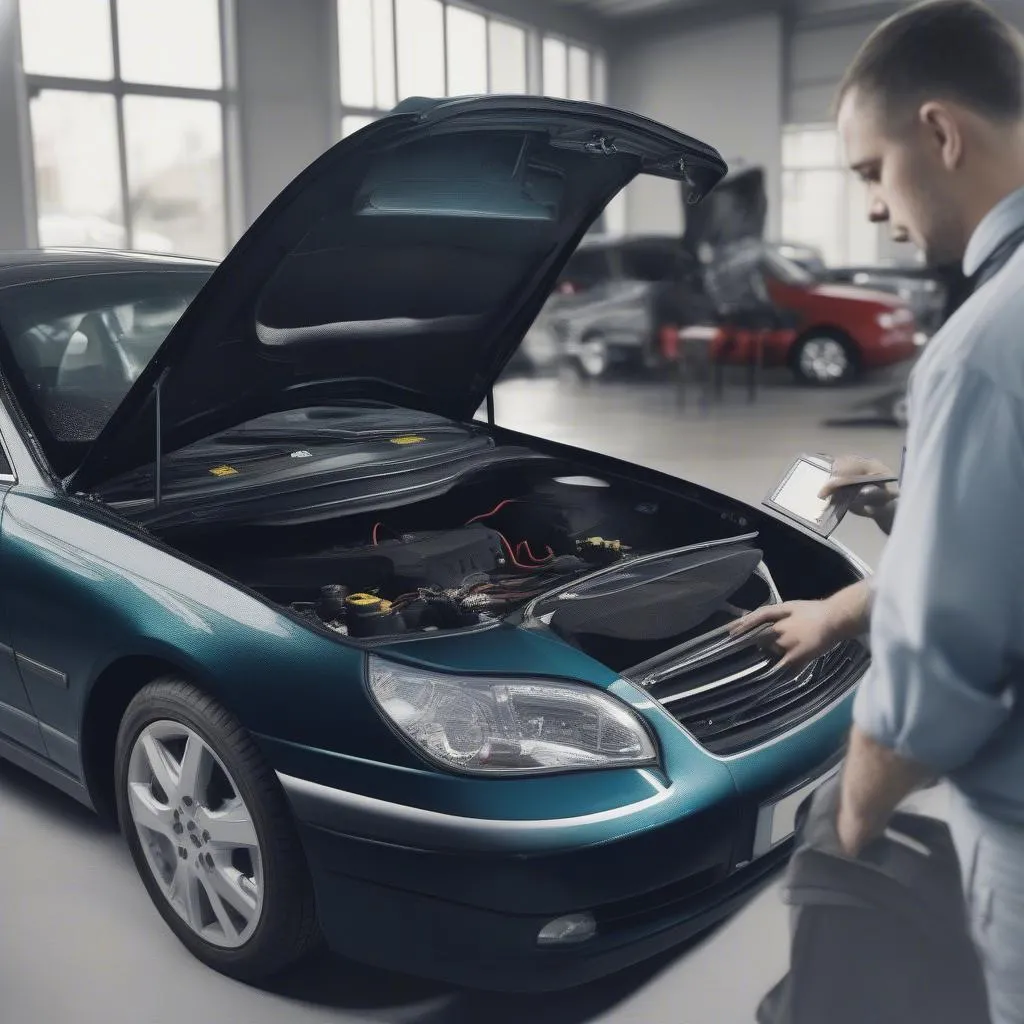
point(442, 558)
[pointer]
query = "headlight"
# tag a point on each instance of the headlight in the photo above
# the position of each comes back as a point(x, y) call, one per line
point(897, 318)
point(492, 726)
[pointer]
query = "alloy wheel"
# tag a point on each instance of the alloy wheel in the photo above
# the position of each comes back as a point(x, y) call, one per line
point(196, 833)
point(593, 357)
point(824, 360)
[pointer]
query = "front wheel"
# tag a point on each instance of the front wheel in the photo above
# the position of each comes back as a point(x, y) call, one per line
point(824, 360)
point(211, 833)
point(594, 357)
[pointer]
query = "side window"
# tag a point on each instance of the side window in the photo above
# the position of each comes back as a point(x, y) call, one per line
point(74, 346)
point(104, 346)
point(5, 467)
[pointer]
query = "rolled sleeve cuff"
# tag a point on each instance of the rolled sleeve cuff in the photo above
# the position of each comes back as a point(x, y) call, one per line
point(941, 725)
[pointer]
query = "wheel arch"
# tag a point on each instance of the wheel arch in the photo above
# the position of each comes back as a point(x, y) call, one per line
point(112, 691)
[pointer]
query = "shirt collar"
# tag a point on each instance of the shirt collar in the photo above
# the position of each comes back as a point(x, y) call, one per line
point(1005, 217)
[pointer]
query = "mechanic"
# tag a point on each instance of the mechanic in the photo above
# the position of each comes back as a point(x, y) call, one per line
point(932, 117)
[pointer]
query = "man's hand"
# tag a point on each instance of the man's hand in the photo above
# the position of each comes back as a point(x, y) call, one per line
point(804, 630)
point(873, 501)
point(798, 630)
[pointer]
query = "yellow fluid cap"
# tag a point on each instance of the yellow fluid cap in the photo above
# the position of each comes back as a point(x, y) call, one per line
point(363, 601)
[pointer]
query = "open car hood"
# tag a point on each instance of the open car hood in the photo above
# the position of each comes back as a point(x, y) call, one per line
point(406, 264)
point(736, 211)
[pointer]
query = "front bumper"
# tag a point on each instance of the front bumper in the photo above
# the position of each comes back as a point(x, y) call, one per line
point(464, 901)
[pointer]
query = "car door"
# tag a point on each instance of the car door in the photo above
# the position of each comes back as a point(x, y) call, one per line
point(18, 722)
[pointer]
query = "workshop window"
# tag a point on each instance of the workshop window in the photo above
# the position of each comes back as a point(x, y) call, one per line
point(824, 205)
point(389, 50)
point(129, 141)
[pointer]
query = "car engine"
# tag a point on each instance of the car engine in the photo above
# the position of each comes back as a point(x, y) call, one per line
point(414, 579)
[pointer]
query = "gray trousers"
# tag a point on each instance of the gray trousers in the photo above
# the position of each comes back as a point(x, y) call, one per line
point(992, 860)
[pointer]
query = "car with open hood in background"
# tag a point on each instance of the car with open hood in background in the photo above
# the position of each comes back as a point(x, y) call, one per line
point(620, 298)
point(347, 659)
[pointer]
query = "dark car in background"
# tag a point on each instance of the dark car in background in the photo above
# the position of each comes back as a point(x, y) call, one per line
point(610, 303)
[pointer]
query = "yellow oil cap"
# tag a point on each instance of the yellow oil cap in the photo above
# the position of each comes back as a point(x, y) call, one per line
point(363, 601)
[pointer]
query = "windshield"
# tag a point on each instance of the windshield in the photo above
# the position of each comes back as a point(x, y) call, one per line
point(72, 347)
point(786, 270)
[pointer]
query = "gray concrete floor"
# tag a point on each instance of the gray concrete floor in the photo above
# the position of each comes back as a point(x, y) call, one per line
point(81, 944)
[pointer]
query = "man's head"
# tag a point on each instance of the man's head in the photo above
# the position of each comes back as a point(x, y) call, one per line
point(931, 112)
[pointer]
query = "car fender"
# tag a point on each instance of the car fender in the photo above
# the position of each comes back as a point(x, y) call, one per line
point(83, 593)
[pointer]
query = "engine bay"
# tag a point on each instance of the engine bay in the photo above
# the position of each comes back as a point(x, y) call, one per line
point(414, 570)
point(619, 572)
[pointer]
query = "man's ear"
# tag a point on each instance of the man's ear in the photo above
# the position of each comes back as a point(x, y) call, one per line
point(943, 132)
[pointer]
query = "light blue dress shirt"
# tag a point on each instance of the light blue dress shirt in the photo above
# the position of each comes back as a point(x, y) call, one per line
point(946, 685)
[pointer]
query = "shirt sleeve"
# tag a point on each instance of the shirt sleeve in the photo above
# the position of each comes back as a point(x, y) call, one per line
point(947, 593)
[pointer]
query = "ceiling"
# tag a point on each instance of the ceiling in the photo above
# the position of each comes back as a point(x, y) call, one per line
point(626, 8)
point(620, 9)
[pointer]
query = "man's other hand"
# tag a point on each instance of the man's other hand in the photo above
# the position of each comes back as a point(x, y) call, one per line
point(873, 501)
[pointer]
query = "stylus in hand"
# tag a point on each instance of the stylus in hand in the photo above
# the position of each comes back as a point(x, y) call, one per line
point(867, 480)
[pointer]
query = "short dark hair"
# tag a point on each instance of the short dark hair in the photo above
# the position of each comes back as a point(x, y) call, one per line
point(956, 50)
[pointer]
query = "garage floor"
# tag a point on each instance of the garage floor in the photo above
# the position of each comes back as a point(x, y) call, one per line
point(81, 944)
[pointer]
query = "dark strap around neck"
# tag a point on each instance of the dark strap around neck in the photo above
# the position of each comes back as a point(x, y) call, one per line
point(998, 259)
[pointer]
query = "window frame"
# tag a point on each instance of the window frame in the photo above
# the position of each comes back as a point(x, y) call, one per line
point(226, 96)
point(841, 216)
point(532, 69)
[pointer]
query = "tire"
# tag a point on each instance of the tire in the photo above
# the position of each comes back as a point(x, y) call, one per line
point(594, 360)
point(239, 868)
point(899, 410)
point(825, 359)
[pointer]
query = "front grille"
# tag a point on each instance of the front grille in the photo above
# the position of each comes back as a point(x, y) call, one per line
point(735, 696)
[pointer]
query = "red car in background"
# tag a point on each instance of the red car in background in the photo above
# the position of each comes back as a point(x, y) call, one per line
point(627, 302)
point(831, 332)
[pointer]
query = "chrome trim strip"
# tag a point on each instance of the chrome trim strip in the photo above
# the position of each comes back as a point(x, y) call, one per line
point(371, 818)
point(753, 670)
point(715, 652)
point(44, 673)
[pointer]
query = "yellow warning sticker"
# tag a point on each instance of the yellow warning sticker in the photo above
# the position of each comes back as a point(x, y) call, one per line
point(408, 439)
point(224, 471)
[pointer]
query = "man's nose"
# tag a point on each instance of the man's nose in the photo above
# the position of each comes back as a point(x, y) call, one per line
point(878, 212)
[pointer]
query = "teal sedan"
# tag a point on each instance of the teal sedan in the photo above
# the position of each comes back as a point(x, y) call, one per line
point(348, 662)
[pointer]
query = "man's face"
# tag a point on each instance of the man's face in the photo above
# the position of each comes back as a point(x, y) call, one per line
point(909, 185)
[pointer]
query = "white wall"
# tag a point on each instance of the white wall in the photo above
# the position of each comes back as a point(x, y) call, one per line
point(286, 70)
point(721, 83)
point(15, 229)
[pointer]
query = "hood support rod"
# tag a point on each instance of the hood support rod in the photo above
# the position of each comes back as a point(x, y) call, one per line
point(490, 407)
point(157, 390)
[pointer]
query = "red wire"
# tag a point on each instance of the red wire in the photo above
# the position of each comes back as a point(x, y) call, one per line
point(512, 554)
point(494, 511)
point(376, 527)
point(530, 554)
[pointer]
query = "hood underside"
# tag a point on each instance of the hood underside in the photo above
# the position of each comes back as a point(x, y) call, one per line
point(405, 264)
